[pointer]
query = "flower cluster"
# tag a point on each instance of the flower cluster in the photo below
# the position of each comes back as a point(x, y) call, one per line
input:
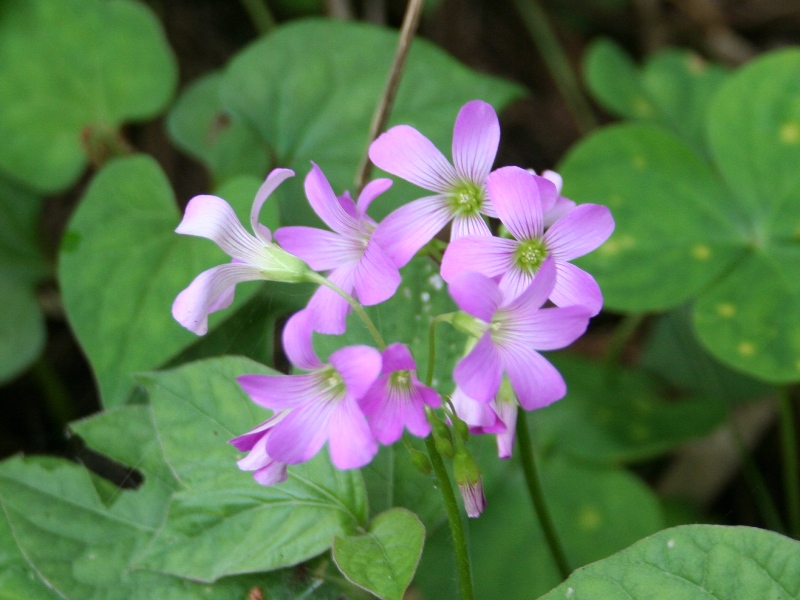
point(518, 294)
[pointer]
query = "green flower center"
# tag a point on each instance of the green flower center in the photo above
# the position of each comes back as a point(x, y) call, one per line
point(466, 198)
point(400, 379)
point(530, 255)
point(333, 382)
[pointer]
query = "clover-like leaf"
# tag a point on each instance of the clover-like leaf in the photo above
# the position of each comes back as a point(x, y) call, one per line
point(693, 562)
point(310, 90)
point(71, 72)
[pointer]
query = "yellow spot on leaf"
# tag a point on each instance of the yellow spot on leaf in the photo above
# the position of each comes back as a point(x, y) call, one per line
point(639, 162)
point(639, 432)
point(641, 107)
point(790, 133)
point(696, 64)
point(726, 309)
point(615, 245)
point(797, 365)
point(614, 200)
point(701, 252)
point(746, 349)
point(590, 518)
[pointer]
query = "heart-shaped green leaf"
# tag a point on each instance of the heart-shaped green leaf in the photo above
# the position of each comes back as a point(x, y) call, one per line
point(310, 90)
point(383, 559)
point(221, 522)
point(72, 71)
point(693, 562)
point(22, 331)
point(122, 265)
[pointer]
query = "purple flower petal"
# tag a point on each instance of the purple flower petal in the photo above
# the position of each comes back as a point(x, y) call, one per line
point(556, 328)
point(537, 293)
point(557, 180)
point(371, 191)
point(279, 392)
point(245, 442)
point(323, 200)
point(490, 256)
point(476, 136)
point(514, 282)
point(479, 373)
point(210, 291)
point(376, 276)
point(397, 357)
point(272, 473)
point(322, 250)
point(579, 232)
point(213, 218)
point(297, 340)
point(576, 286)
point(330, 310)
point(351, 443)
point(414, 410)
point(359, 367)
point(464, 225)
point(403, 232)
point(476, 295)
point(515, 195)
point(405, 152)
point(383, 404)
point(473, 497)
point(507, 413)
point(258, 457)
point(534, 380)
point(302, 433)
point(558, 210)
point(480, 416)
point(274, 179)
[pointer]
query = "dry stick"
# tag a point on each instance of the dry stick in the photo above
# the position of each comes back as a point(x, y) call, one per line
point(260, 16)
point(557, 63)
point(410, 22)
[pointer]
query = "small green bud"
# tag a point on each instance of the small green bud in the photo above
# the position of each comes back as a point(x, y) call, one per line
point(420, 460)
point(470, 484)
point(444, 446)
point(462, 429)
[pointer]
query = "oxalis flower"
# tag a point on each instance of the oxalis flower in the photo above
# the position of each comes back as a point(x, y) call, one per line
point(512, 331)
point(459, 191)
point(255, 256)
point(355, 261)
point(398, 398)
point(268, 471)
point(498, 417)
point(521, 200)
point(319, 406)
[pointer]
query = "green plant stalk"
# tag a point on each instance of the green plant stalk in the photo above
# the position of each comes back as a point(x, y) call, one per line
point(537, 497)
point(542, 34)
point(57, 398)
point(454, 520)
point(355, 305)
point(791, 481)
point(260, 15)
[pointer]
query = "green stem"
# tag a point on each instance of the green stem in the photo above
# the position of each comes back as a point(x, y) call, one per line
point(407, 30)
point(790, 473)
point(355, 305)
point(537, 497)
point(454, 519)
point(260, 15)
point(431, 352)
point(622, 335)
point(557, 63)
point(59, 404)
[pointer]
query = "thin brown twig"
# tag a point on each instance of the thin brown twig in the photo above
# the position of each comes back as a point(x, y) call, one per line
point(409, 27)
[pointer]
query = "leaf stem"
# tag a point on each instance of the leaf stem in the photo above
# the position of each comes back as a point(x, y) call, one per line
point(542, 34)
point(407, 30)
point(537, 497)
point(791, 481)
point(59, 404)
point(260, 15)
point(355, 305)
point(454, 520)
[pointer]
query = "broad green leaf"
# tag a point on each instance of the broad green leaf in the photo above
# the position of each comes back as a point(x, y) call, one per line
point(72, 70)
point(80, 548)
point(750, 320)
point(673, 88)
point(675, 228)
point(616, 415)
point(383, 559)
point(18, 580)
point(693, 562)
point(20, 255)
point(406, 318)
point(22, 331)
point(673, 353)
point(122, 265)
point(224, 144)
point(310, 89)
point(221, 521)
point(597, 511)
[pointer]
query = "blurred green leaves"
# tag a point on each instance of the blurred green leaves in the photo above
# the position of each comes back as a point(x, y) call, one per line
point(71, 73)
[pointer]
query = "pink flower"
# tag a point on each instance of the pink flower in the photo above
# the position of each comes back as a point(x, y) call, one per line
point(513, 331)
point(521, 200)
point(255, 256)
point(459, 192)
point(349, 252)
point(398, 398)
point(498, 417)
point(562, 205)
point(268, 471)
point(317, 407)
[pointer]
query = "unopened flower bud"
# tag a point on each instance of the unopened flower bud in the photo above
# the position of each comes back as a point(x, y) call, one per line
point(420, 461)
point(462, 429)
point(442, 437)
point(468, 478)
